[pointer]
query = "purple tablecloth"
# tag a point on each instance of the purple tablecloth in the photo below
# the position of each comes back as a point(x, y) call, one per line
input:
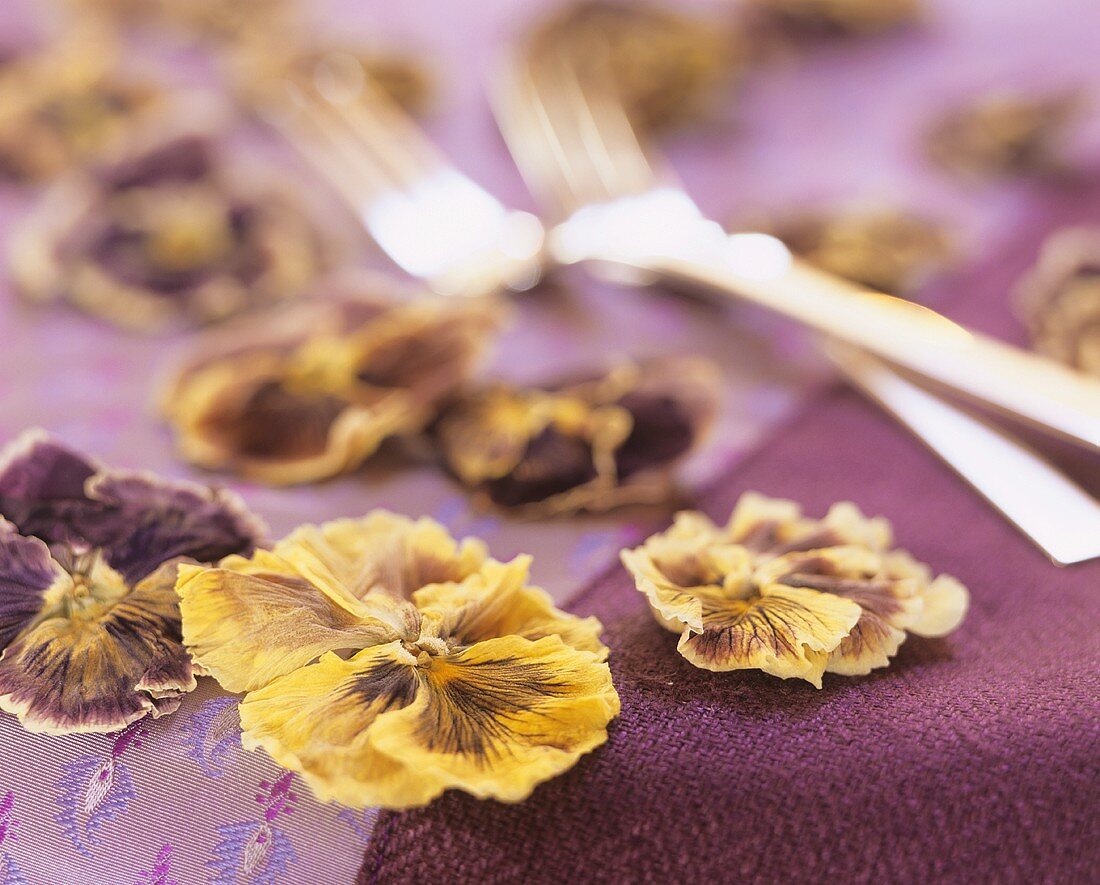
point(185, 803)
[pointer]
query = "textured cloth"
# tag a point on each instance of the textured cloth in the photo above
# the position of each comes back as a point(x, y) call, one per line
point(973, 758)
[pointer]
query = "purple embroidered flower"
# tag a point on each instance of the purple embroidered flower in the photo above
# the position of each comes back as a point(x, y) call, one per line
point(96, 789)
point(161, 873)
point(89, 619)
point(10, 873)
point(257, 851)
point(212, 732)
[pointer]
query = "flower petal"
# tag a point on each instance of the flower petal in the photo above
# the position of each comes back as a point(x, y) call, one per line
point(250, 621)
point(146, 520)
point(318, 721)
point(945, 603)
point(27, 572)
point(787, 632)
point(42, 486)
point(99, 671)
point(498, 602)
point(497, 719)
point(380, 553)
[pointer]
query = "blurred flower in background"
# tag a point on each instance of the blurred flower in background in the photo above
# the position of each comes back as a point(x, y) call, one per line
point(173, 231)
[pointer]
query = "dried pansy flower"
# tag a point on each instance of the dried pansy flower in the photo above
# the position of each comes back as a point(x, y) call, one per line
point(795, 597)
point(885, 249)
point(89, 619)
point(61, 105)
point(838, 17)
point(174, 232)
point(387, 663)
point(671, 68)
point(1003, 134)
point(587, 445)
point(312, 391)
point(1060, 299)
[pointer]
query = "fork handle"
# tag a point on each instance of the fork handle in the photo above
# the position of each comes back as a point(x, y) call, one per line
point(1026, 386)
point(1058, 515)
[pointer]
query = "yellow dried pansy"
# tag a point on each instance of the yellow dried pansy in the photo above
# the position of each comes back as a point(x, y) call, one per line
point(64, 103)
point(594, 444)
point(838, 17)
point(795, 597)
point(387, 663)
point(1004, 133)
point(670, 67)
point(1060, 298)
point(885, 249)
point(310, 392)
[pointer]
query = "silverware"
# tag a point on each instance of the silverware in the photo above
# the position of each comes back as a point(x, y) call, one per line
point(581, 155)
point(410, 198)
point(1058, 515)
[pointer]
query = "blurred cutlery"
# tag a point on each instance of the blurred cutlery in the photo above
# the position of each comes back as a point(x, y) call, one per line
point(579, 152)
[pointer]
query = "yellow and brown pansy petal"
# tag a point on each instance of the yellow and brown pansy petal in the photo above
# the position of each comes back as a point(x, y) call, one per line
point(380, 553)
point(498, 602)
point(944, 603)
point(787, 632)
point(880, 630)
point(97, 666)
point(498, 718)
point(318, 721)
point(27, 574)
point(248, 622)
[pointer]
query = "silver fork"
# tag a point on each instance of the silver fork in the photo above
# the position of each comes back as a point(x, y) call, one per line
point(579, 152)
point(404, 189)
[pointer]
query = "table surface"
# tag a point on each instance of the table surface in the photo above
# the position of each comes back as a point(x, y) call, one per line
point(184, 802)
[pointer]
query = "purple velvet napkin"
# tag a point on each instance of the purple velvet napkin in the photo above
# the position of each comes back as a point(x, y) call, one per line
point(971, 759)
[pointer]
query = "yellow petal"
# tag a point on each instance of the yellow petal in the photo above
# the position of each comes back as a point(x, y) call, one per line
point(318, 721)
point(787, 632)
point(498, 718)
point(945, 603)
point(677, 572)
point(379, 553)
point(880, 631)
point(250, 621)
point(497, 602)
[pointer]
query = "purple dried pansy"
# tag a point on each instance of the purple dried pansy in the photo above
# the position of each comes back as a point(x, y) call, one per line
point(175, 231)
point(89, 619)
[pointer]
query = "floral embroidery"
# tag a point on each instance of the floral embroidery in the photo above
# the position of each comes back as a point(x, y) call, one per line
point(212, 734)
point(362, 821)
point(95, 790)
point(10, 873)
point(257, 852)
point(161, 873)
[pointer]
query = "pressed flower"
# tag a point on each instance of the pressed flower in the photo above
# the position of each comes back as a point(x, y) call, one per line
point(387, 663)
point(584, 445)
point(312, 391)
point(671, 68)
point(89, 618)
point(1060, 298)
point(795, 597)
point(839, 17)
point(885, 249)
point(172, 233)
point(62, 104)
point(1003, 134)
